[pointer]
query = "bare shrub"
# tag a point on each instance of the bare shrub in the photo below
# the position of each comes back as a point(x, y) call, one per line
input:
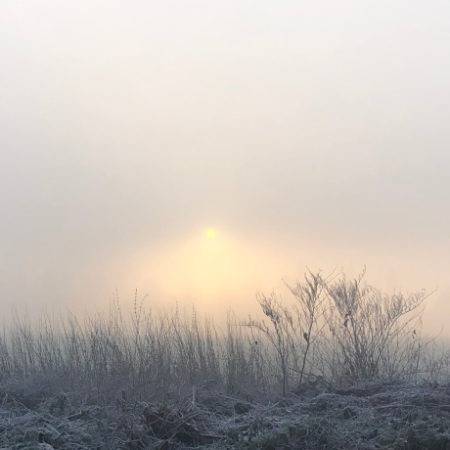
point(342, 330)
point(372, 334)
point(279, 333)
point(309, 312)
point(293, 331)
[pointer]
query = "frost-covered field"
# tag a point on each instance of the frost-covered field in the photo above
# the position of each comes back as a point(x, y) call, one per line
point(365, 416)
point(340, 366)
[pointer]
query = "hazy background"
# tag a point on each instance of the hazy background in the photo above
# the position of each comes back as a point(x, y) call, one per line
point(307, 133)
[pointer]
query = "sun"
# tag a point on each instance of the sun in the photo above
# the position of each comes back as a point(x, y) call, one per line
point(211, 233)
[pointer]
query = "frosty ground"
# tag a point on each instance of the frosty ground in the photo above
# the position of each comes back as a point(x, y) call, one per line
point(336, 365)
point(377, 415)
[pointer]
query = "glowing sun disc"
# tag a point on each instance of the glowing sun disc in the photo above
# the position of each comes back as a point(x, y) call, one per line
point(211, 233)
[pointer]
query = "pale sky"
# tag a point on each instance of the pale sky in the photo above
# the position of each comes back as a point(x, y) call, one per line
point(306, 133)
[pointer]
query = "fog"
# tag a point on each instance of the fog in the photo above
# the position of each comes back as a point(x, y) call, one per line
point(308, 134)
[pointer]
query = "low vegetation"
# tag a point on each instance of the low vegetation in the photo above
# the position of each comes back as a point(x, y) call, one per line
point(171, 380)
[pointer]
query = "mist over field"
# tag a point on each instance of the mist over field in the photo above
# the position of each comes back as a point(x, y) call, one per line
point(306, 134)
point(224, 224)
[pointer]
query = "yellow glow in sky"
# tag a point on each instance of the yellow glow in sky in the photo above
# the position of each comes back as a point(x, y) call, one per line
point(210, 233)
point(216, 270)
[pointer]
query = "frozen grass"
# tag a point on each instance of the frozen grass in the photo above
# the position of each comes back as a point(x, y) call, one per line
point(337, 355)
point(141, 354)
point(364, 416)
point(330, 332)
